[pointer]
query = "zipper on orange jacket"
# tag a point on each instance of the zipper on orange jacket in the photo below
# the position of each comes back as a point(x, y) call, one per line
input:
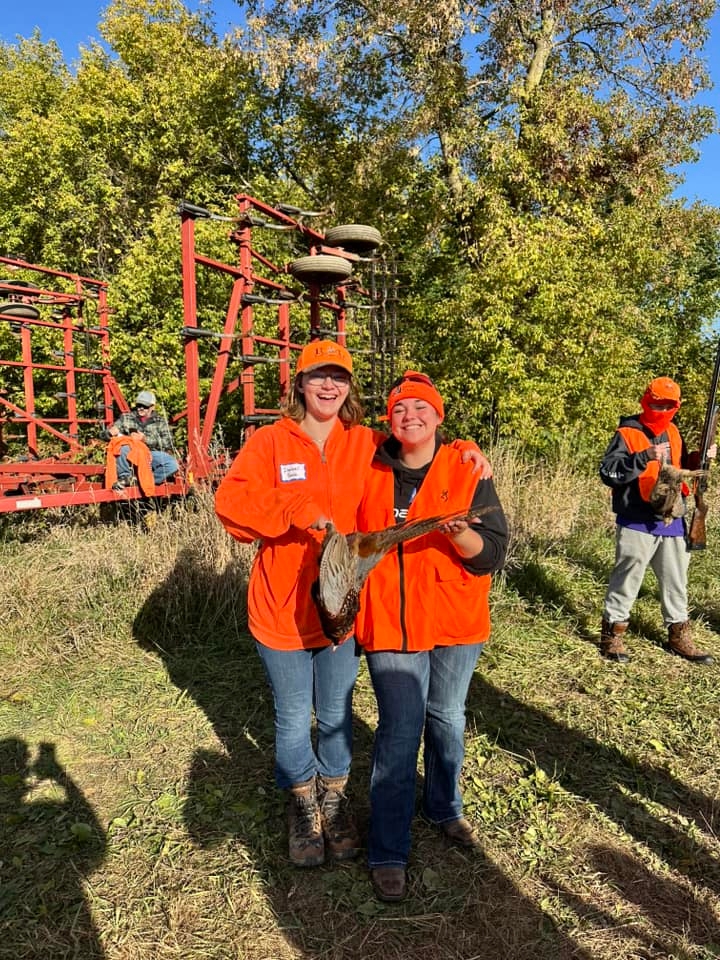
point(401, 582)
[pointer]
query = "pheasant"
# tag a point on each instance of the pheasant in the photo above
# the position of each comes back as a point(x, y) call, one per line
point(346, 561)
point(666, 495)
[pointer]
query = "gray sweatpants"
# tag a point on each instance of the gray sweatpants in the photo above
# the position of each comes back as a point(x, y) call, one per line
point(668, 558)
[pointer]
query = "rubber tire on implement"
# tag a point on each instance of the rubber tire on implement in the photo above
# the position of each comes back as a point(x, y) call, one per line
point(323, 269)
point(23, 311)
point(354, 237)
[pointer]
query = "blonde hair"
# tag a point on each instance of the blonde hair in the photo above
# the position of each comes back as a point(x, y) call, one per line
point(350, 413)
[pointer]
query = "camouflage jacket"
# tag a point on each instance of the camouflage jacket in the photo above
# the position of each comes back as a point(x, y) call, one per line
point(155, 429)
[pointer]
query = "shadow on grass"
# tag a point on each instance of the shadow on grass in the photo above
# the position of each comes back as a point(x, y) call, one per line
point(540, 589)
point(666, 904)
point(459, 906)
point(48, 845)
point(711, 612)
point(614, 783)
point(663, 901)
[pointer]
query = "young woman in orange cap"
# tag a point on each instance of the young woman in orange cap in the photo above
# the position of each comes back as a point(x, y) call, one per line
point(289, 480)
point(424, 617)
point(630, 466)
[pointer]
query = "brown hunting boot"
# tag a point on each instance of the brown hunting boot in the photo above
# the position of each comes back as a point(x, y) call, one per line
point(338, 824)
point(389, 883)
point(306, 844)
point(611, 641)
point(680, 642)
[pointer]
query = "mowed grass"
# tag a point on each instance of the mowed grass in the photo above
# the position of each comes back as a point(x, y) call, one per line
point(138, 815)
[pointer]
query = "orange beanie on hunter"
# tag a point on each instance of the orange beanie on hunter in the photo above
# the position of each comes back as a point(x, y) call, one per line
point(415, 386)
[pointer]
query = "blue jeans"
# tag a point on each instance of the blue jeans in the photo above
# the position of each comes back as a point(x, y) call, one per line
point(322, 678)
point(416, 692)
point(163, 465)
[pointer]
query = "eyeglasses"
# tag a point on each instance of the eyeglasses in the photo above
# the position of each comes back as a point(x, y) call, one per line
point(141, 406)
point(412, 377)
point(319, 377)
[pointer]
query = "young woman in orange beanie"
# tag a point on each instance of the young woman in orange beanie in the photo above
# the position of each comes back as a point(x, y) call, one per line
point(424, 617)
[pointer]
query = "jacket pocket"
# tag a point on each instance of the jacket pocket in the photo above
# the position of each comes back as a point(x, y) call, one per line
point(461, 607)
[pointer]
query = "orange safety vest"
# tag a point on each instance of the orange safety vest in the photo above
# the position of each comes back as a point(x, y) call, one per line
point(636, 440)
point(420, 595)
point(277, 486)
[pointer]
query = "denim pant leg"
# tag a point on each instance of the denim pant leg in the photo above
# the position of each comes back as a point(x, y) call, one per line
point(124, 467)
point(335, 672)
point(451, 670)
point(163, 465)
point(290, 675)
point(400, 681)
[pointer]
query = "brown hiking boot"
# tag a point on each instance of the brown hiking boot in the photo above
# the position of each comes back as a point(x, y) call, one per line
point(306, 844)
point(338, 825)
point(680, 642)
point(611, 641)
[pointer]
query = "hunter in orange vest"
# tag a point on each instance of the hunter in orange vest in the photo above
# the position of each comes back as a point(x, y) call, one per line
point(630, 467)
point(424, 617)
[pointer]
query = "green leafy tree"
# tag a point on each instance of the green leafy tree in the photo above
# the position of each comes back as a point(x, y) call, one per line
point(549, 271)
point(517, 157)
point(96, 159)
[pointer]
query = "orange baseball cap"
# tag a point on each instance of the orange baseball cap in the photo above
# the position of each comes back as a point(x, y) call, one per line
point(415, 386)
point(663, 388)
point(323, 353)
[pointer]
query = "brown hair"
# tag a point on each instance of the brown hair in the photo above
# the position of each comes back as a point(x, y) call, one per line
point(350, 413)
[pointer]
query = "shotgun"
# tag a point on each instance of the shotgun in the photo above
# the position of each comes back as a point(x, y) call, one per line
point(697, 537)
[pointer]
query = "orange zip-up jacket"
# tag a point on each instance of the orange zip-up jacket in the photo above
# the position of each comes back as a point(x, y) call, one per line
point(278, 485)
point(636, 440)
point(420, 595)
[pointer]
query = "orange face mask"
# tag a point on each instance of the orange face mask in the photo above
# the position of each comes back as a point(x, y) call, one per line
point(656, 420)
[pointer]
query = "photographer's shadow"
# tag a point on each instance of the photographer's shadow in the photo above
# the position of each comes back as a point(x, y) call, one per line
point(50, 840)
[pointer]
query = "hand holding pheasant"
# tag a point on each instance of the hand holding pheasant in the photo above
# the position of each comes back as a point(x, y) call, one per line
point(346, 561)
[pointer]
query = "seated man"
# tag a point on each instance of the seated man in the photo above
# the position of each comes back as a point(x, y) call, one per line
point(142, 423)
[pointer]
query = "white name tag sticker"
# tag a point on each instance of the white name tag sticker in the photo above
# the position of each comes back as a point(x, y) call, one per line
point(292, 471)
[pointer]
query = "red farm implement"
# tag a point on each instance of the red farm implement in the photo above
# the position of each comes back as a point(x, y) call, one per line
point(57, 391)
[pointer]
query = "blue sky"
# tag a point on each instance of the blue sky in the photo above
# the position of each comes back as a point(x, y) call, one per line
point(78, 25)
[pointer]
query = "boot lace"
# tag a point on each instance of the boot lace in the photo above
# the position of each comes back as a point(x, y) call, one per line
point(335, 814)
point(305, 818)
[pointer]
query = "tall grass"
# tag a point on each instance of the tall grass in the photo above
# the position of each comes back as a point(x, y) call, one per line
point(138, 815)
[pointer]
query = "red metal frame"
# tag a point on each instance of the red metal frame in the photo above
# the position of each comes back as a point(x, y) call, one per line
point(239, 325)
point(80, 311)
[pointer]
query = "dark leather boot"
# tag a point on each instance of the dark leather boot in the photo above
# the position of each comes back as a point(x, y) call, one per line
point(389, 883)
point(306, 844)
point(680, 642)
point(611, 641)
point(342, 840)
